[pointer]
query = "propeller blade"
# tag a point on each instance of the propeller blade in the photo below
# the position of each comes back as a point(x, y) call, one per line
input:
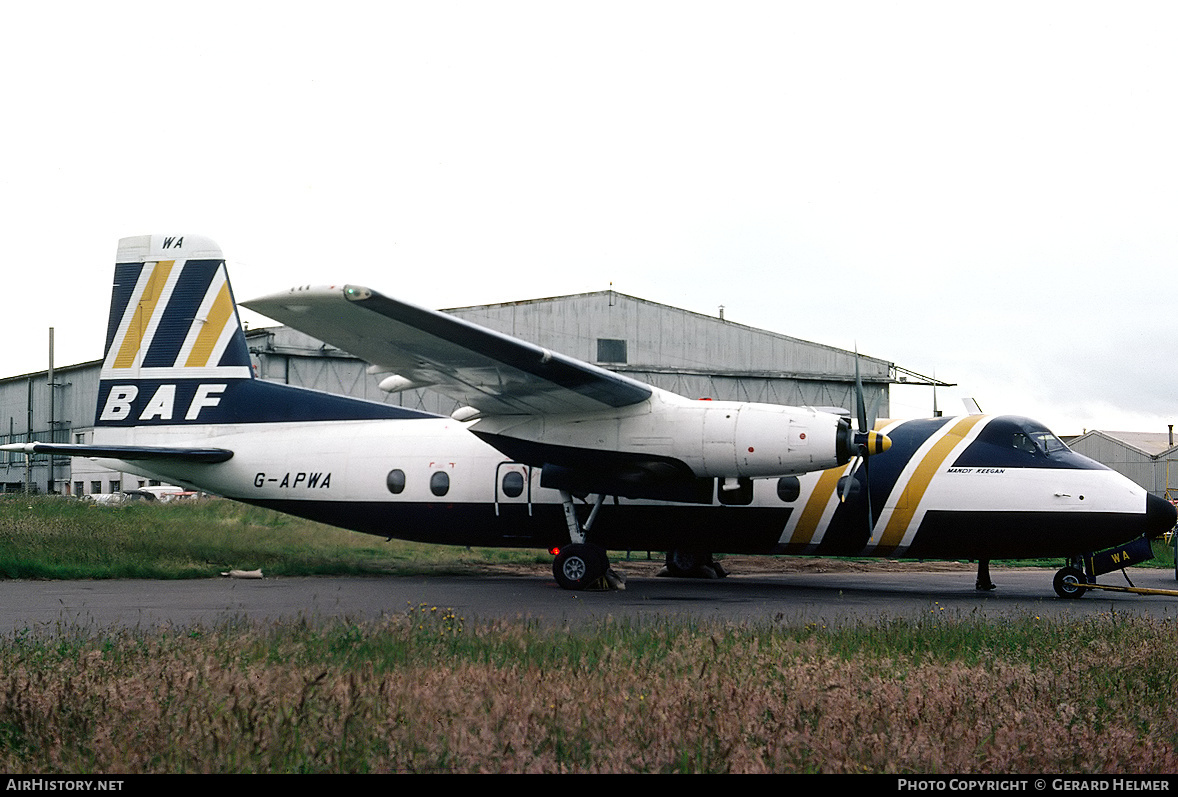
point(845, 482)
point(867, 442)
point(867, 489)
point(862, 404)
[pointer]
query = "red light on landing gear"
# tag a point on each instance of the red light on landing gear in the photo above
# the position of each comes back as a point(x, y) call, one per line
point(554, 551)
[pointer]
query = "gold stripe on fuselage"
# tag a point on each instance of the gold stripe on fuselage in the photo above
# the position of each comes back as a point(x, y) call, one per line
point(816, 504)
point(918, 482)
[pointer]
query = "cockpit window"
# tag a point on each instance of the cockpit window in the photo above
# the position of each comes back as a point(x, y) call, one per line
point(1020, 443)
point(1037, 442)
point(1049, 443)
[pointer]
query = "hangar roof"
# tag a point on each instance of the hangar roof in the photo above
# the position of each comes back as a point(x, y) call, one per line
point(628, 333)
point(1152, 444)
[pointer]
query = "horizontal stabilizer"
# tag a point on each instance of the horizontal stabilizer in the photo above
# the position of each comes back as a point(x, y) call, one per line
point(205, 456)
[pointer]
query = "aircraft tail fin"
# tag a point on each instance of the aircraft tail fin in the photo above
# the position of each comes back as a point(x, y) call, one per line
point(172, 312)
point(176, 354)
point(174, 342)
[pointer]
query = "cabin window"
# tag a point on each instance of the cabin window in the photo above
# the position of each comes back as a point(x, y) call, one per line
point(789, 489)
point(395, 481)
point(439, 483)
point(513, 484)
point(611, 351)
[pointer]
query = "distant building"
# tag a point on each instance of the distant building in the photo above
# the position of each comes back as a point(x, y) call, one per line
point(1148, 458)
point(62, 414)
point(695, 355)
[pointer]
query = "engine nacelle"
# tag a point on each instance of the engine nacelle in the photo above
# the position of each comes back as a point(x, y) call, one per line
point(721, 439)
point(766, 440)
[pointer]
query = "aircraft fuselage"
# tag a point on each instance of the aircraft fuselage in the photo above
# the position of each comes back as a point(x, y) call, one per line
point(970, 487)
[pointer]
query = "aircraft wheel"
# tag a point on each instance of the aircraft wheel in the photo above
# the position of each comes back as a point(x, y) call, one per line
point(682, 563)
point(580, 566)
point(1069, 582)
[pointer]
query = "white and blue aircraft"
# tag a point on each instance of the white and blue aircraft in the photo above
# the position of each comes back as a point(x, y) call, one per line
point(550, 452)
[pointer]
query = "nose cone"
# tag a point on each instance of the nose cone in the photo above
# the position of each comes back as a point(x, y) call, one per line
point(1160, 516)
point(878, 442)
point(872, 443)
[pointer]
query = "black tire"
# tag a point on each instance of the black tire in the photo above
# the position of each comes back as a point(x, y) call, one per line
point(1069, 583)
point(580, 566)
point(684, 563)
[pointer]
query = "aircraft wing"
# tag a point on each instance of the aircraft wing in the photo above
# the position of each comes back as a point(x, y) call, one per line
point(126, 453)
point(494, 373)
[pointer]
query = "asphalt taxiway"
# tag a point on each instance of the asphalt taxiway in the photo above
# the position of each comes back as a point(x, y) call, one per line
point(829, 598)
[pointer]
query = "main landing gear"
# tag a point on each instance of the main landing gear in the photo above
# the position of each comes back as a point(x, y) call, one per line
point(682, 563)
point(581, 565)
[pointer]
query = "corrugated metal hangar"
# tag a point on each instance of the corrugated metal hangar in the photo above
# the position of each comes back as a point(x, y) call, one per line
point(692, 354)
point(1148, 458)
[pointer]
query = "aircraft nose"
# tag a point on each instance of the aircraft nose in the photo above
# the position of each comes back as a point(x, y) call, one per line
point(1160, 516)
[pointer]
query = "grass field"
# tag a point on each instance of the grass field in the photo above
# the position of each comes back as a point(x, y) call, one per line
point(426, 690)
point(47, 537)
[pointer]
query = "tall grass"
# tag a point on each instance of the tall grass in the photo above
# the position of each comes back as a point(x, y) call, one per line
point(429, 691)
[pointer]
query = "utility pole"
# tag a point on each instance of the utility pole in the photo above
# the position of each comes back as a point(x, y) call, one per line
point(52, 410)
point(29, 438)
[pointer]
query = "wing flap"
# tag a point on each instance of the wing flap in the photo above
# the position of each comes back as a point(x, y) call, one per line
point(492, 372)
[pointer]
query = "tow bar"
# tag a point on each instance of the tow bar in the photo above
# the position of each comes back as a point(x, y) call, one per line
point(1136, 590)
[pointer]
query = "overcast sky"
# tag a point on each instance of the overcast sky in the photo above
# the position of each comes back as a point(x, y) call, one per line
point(987, 191)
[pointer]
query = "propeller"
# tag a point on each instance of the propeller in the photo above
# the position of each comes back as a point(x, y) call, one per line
point(865, 442)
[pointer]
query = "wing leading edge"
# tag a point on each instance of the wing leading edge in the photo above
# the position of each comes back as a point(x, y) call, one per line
point(480, 368)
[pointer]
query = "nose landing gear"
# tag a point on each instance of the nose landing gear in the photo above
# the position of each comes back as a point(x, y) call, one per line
point(1080, 575)
point(1070, 582)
